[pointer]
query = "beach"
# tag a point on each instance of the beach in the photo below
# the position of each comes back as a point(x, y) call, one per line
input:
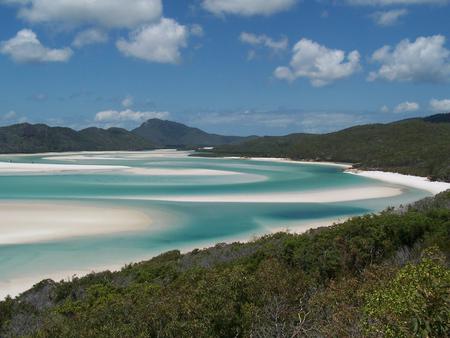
point(407, 180)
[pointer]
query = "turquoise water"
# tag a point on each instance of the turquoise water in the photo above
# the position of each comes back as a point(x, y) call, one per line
point(188, 224)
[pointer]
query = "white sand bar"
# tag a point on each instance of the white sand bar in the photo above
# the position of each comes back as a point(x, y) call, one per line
point(180, 172)
point(28, 222)
point(313, 196)
point(406, 180)
point(44, 168)
point(17, 168)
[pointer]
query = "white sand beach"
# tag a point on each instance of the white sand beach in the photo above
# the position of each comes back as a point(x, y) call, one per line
point(29, 222)
point(406, 180)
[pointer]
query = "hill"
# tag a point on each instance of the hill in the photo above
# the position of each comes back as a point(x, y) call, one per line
point(380, 275)
point(29, 138)
point(415, 146)
point(168, 134)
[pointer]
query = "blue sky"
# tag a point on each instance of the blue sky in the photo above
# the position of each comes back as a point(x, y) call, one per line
point(266, 67)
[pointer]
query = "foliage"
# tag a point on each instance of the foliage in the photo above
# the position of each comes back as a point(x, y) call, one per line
point(415, 303)
point(27, 138)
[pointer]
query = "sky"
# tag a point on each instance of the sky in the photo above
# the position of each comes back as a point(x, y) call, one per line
point(237, 67)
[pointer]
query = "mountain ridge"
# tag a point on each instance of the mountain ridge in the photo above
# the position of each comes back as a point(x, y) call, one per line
point(167, 133)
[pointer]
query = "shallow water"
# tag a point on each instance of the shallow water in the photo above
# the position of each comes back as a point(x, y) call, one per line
point(184, 224)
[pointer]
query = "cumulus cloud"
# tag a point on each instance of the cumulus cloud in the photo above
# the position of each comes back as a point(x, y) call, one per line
point(105, 13)
point(424, 60)
point(89, 37)
point(264, 41)
point(159, 42)
point(319, 64)
point(128, 115)
point(440, 106)
point(389, 18)
point(396, 2)
point(247, 7)
point(407, 107)
point(26, 48)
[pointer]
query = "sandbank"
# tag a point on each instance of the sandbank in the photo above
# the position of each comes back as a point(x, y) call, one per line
point(29, 222)
point(312, 196)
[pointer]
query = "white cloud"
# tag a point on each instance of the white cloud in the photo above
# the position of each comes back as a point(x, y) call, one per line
point(384, 109)
point(407, 107)
point(159, 42)
point(89, 37)
point(265, 41)
point(197, 30)
point(440, 106)
point(247, 7)
point(424, 60)
point(105, 13)
point(9, 115)
point(389, 18)
point(396, 2)
point(12, 117)
point(128, 101)
point(26, 48)
point(128, 115)
point(319, 64)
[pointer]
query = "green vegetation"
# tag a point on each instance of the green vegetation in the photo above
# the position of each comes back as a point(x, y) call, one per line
point(372, 276)
point(27, 138)
point(415, 146)
point(168, 134)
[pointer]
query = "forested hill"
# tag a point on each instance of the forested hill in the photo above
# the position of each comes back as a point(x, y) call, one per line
point(381, 275)
point(414, 146)
point(177, 135)
point(29, 138)
point(34, 138)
